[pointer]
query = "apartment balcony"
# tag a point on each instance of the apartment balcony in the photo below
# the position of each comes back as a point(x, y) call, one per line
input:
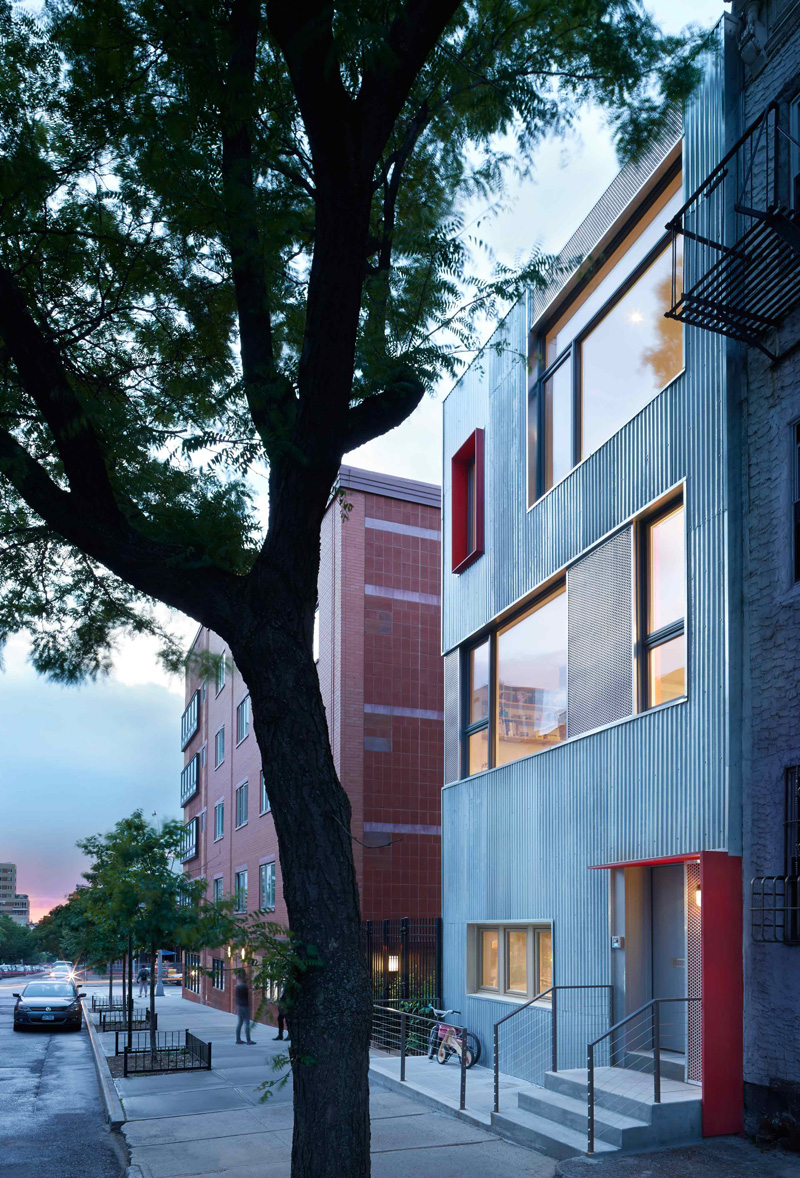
point(190, 720)
point(741, 260)
point(190, 779)
point(190, 847)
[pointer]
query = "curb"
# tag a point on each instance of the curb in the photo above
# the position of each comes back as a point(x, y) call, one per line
point(111, 1101)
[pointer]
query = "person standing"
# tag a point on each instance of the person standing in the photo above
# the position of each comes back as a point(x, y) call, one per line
point(143, 977)
point(282, 1014)
point(242, 1001)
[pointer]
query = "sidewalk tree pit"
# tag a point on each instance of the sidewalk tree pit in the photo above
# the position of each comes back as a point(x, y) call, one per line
point(232, 242)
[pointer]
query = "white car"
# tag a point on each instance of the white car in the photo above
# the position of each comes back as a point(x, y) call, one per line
point(61, 969)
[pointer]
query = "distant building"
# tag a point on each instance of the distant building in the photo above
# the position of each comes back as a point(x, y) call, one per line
point(380, 672)
point(11, 903)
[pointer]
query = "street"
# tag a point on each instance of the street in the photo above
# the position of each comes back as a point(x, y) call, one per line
point(51, 1114)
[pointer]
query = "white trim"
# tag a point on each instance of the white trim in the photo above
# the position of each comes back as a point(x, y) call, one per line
point(402, 595)
point(386, 525)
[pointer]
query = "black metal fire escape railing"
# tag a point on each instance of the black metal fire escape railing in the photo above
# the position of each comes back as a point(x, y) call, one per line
point(741, 263)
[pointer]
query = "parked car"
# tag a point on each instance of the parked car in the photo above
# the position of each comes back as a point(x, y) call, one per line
point(41, 1004)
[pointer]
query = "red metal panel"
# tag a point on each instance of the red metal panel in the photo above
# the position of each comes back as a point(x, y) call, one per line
point(721, 902)
point(471, 451)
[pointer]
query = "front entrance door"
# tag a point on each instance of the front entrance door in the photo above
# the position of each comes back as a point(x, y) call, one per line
point(669, 952)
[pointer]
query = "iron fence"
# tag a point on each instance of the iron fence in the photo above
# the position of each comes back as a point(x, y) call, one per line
point(102, 1003)
point(117, 1020)
point(405, 958)
point(166, 1051)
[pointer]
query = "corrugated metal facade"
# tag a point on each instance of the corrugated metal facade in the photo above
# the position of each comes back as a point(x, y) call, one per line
point(517, 841)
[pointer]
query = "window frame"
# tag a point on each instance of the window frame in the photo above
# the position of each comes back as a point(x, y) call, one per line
point(241, 801)
point(647, 640)
point(217, 889)
point(542, 371)
point(221, 677)
point(540, 598)
point(502, 992)
point(219, 821)
point(243, 711)
point(264, 804)
point(265, 869)
point(217, 973)
point(237, 892)
point(467, 494)
point(217, 759)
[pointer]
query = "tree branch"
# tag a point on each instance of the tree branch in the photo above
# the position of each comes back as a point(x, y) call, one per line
point(384, 411)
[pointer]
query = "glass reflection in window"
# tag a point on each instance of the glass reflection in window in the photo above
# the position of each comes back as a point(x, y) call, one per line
point(667, 671)
point(532, 681)
point(517, 957)
point(544, 958)
point(479, 683)
point(558, 424)
point(478, 751)
point(489, 959)
point(631, 354)
point(665, 573)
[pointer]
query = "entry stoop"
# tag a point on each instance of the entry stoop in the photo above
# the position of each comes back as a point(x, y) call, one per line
point(553, 1119)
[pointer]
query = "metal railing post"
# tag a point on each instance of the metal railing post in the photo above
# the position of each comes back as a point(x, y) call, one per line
point(590, 1096)
point(124, 1061)
point(555, 1032)
point(496, 1069)
point(403, 1020)
point(656, 1053)
point(463, 1099)
point(404, 949)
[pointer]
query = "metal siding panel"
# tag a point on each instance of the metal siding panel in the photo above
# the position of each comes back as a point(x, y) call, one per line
point(452, 718)
point(518, 840)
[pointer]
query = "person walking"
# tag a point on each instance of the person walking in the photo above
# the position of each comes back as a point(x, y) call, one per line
point(282, 1014)
point(143, 977)
point(242, 1001)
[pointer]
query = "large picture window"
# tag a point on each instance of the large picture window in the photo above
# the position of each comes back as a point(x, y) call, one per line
point(532, 681)
point(663, 607)
point(609, 354)
point(511, 961)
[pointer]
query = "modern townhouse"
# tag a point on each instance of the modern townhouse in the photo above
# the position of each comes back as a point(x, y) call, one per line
point(620, 633)
point(381, 678)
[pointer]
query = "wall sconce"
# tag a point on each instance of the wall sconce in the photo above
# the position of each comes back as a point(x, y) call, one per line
point(229, 950)
point(244, 952)
point(697, 897)
point(394, 964)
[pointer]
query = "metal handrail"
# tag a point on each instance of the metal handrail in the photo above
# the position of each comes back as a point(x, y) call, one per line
point(653, 1004)
point(404, 1016)
point(554, 990)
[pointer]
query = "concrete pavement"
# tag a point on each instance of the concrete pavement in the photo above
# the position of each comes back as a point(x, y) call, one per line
point(51, 1115)
point(192, 1124)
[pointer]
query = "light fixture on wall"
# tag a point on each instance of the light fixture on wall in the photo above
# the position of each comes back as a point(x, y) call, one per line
point(697, 896)
point(229, 950)
point(394, 964)
point(244, 954)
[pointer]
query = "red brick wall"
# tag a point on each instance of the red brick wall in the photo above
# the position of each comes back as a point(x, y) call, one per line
point(375, 651)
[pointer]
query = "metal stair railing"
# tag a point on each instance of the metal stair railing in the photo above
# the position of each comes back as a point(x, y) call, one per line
point(650, 1033)
point(535, 1046)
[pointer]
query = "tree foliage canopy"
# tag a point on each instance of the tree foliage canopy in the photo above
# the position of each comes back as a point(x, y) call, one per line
point(232, 239)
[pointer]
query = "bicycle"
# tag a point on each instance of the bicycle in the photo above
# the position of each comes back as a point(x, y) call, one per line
point(449, 1040)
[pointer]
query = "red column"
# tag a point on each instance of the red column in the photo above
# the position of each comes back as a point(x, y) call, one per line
point(723, 993)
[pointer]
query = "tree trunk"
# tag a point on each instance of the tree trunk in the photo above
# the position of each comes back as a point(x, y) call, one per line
point(329, 1011)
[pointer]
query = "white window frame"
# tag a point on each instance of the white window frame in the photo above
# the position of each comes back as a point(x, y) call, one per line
point(219, 821)
point(218, 889)
point(221, 675)
point(217, 973)
point(241, 805)
point(217, 745)
point(264, 803)
point(266, 872)
point(243, 720)
point(237, 891)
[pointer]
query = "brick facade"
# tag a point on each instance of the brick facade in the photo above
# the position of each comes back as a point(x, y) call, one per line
point(381, 677)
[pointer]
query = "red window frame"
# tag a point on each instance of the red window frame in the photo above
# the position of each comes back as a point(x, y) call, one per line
point(467, 499)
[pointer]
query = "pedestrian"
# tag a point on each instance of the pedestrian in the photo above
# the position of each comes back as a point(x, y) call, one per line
point(143, 977)
point(282, 1013)
point(242, 1000)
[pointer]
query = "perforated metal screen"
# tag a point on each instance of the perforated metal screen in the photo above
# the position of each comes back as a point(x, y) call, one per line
point(600, 661)
point(452, 721)
point(694, 975)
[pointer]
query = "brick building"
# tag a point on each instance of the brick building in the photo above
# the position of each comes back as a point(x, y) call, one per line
point(380, 674)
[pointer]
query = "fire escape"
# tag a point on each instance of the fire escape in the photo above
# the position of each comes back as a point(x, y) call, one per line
point(741, 270)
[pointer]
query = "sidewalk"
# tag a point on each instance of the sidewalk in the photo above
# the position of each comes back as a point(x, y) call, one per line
point(192, 1124)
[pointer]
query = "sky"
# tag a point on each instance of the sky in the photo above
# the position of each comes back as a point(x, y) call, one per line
point(77, 759)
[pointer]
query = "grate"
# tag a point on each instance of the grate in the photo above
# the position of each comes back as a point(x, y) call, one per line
point(694, 976)
point(600, 606)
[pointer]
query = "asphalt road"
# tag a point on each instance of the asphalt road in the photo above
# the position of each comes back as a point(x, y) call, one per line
point(51, 1115)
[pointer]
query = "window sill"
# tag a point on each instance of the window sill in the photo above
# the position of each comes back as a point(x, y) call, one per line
point(261, 813)
point(487, 996)
point(241, 824)
point(219, 764)
point(218, 838)
point(467, 561)
point(242, 740)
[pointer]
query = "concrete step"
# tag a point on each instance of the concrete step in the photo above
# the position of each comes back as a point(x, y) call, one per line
point(673, 1065)
point(678, 1117)
point(542, 1134)
point(611, 1127)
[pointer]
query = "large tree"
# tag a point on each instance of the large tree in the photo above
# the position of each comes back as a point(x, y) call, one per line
point(232, 239)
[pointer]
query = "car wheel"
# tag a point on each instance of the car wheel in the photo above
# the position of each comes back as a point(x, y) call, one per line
point(18, 1028)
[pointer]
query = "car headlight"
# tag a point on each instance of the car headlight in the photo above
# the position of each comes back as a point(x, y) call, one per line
point(22, 1009)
